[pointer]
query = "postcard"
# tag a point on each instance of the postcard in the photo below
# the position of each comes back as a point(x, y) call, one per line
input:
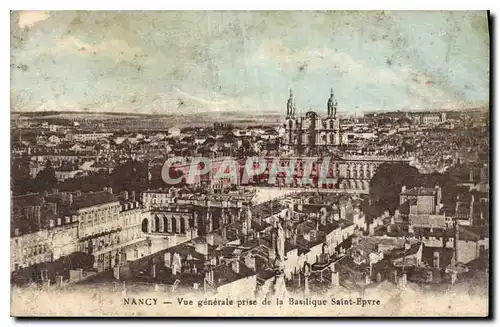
point(250, 163)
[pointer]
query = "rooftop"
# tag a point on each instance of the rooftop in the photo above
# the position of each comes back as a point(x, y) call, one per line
point(419, 191)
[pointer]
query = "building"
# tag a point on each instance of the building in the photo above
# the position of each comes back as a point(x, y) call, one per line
point(87, 137)
point(46, 227)
point(40, 232)
point(428, 118)
point(311, 130)
point(422, 200)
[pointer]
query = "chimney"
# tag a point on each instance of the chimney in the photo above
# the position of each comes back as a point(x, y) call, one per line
point(403, 280)
point(471, 209)
point(153, 270)
point(436, 259)
point(235, 265)
point(438, 194)
point(323, 216)
point(209, 276)
point(293, 239)
point(28, 213)
point(36, 213)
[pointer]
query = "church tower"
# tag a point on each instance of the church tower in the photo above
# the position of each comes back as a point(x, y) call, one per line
point(290, 106)
point(291, 136)
point(333, 124)
point(330, 106)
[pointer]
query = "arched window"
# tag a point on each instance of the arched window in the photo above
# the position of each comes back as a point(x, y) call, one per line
point(165, 224)
point(157, 224)
point(183, 226)
point(348, 173)
point(144, 226)
point(354, 174)
point(174, 224)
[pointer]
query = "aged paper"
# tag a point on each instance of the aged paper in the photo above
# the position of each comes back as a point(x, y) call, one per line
point(283, 163)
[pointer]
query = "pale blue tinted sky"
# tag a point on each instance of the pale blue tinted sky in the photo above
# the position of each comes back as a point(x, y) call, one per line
point(168, 62)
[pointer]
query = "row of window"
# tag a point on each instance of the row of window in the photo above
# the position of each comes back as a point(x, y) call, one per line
point(35, 250)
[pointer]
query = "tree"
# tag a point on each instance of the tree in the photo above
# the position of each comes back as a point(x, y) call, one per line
point(20, 179)
point(81, 260)
point(46, 179)
point(133, 176)
point(385, 186)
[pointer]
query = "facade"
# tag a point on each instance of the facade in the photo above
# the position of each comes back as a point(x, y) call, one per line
point(428, 118)
point(311, 130)
point(347, 172)
point(87, 137)
point(48, 227)
point(46, 245)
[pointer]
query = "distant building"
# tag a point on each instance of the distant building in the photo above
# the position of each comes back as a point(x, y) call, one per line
point(428, 118)
point(87, 137)
point(311, 130)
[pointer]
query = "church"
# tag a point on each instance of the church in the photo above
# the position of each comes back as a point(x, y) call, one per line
point(312, 130)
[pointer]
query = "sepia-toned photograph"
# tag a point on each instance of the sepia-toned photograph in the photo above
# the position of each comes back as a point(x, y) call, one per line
point(250, 163)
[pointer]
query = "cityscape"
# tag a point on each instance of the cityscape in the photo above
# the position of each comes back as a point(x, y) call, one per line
point(308, 206)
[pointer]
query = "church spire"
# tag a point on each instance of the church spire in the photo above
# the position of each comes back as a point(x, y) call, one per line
point(335, 109)
point(290, 106)
point(330, 104)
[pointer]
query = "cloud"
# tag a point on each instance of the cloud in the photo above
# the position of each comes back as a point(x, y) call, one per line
point(420, 88)
point(118, 50)
point(28, 19)
point(215, 61)
point(201, 100)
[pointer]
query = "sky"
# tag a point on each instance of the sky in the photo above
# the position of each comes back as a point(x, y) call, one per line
point(167, 62)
